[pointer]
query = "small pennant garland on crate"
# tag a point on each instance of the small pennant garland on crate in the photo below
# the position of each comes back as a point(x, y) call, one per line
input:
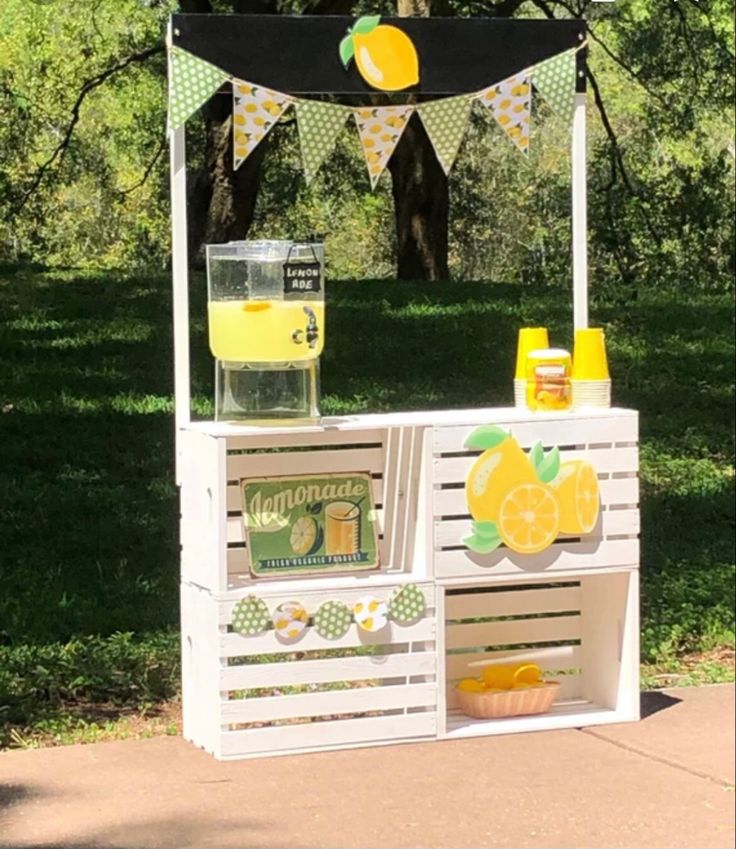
point(407, 604)
point(256, 109)
point(333, 619)
point(250, 616)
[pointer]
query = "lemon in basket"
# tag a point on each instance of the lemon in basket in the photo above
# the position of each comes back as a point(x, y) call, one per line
point(471, 685)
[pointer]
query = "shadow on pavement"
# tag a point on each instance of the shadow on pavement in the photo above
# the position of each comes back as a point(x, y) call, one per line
point(654, 701)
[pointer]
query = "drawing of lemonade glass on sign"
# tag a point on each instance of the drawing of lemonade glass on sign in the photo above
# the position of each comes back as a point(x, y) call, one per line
point(524, 501)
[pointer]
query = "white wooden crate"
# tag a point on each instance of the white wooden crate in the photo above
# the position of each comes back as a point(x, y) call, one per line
point(609, 443)
point(255, 696)
point(582, 632)
point(213, 541)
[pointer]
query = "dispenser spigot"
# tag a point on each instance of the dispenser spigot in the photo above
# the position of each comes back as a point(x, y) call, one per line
point(312, 328)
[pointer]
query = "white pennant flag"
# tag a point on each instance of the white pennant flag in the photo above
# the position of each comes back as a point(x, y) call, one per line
point(510, 103)
point(380, 129)
point(255, 111)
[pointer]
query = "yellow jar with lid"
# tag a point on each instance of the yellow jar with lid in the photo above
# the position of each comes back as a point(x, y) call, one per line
point(548, 379)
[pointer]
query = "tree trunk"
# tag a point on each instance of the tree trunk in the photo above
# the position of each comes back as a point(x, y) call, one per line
point(421, 206)
point(421, 198)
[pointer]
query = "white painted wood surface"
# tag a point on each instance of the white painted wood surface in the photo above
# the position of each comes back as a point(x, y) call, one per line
point(255, 696)
point(579, 215)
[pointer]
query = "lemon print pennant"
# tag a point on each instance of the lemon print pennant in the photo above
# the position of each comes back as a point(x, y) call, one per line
point(255, 111)
point(510, 103)
point(384, 55)
point(192, 82)
point(319, 126)
point(380, 129)
point(554, 79)
point(445, 121)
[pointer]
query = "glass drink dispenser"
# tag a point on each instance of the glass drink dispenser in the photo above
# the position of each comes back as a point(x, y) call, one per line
point(266, 328)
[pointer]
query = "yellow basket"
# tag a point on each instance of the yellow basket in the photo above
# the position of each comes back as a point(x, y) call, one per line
point(508, 702)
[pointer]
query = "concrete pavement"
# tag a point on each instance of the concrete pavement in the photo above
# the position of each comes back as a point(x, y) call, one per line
point(667, 781)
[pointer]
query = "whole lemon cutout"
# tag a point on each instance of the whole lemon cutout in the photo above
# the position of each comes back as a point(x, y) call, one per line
point(385, 55)
point(493, 475)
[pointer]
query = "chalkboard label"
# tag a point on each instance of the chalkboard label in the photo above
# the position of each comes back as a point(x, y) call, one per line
point(302, 278)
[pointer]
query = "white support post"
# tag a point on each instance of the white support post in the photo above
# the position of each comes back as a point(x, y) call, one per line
point(579, 216)
point(180, 274)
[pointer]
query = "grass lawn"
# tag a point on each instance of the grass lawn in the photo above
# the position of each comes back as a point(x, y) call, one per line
point(88, 507)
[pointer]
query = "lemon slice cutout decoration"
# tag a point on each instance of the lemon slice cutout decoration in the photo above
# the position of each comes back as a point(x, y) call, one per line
point(385, 55)
point(529, 518)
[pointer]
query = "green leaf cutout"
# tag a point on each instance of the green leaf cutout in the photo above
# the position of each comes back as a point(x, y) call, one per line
point(549, 468)
point(486, 436)
point(347, 50)
point(485, 530)
point(536, 455)
point(366, 24)
point(482, 545)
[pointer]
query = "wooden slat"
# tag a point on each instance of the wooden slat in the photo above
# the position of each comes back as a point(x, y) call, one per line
point(557, 558)
point(511, 603)
point(573, 431)
point(233, 645)
point(512, 632)
point(304, 463)
point(555, 657)
point(619, 491)
point(451, 532)
point(330, 702)
point(235, 500)
point(327, 670)
point(318, 734)
point(604, 460)
point(286, 438)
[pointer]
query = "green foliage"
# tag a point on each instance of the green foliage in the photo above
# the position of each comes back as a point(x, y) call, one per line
point(39, 681)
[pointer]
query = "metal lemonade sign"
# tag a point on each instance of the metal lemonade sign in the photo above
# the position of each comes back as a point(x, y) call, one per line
point(310, 524)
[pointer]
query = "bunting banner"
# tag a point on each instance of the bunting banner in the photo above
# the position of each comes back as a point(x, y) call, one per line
point(255, 111)
point(510, 103)
point(319, 126)
point(554, 79)
point(380, 129)
point(445, 122)
point(192, 82)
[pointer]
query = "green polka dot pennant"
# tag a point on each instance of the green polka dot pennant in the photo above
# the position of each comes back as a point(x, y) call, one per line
point(445, 122)
point(554, 79)
point(319, 126)
point(407, 604)
point(192, 81)
point(250, 616)
point(333, 620)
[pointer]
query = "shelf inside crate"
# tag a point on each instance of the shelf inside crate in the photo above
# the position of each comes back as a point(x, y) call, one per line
point(573, 713)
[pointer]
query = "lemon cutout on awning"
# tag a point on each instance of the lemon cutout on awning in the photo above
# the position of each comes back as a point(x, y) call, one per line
point(385, 55)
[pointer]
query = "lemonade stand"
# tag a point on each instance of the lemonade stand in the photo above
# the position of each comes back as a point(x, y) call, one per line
point(383, 578)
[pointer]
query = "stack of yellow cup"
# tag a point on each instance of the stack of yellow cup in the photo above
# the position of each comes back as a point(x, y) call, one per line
point(530, 339)
point(591, 381)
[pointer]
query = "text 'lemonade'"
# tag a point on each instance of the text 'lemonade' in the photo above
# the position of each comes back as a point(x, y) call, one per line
point(264, 330)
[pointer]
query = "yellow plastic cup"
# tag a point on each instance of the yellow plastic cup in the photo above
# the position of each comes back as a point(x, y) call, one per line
point(530, 339)
point(589, 361)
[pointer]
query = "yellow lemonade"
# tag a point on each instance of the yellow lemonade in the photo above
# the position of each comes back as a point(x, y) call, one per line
point(265, 331)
